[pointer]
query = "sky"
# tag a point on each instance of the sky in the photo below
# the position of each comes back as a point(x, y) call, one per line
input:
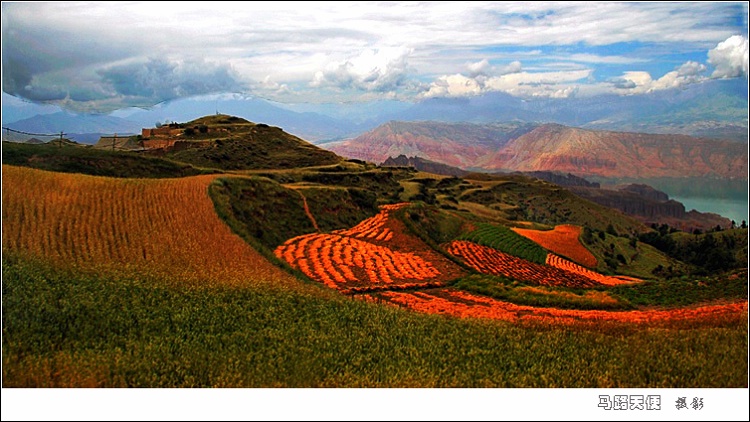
point(99, 57)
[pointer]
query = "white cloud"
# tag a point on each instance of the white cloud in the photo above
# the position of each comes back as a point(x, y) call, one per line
point(525, 84)
point(350, 49)
point(730, 58)
point(595, 58)
point(375, 70)
point(639, 82)
point(512, 67)
point(478, 68)
point(538, 84)
point(454, 86)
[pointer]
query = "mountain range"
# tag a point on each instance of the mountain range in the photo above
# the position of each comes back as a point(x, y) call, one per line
point(551, 147)
point(714, 109)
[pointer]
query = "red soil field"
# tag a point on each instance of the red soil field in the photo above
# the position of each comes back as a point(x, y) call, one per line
point(466, 305)
point(491, 261)
point(563, 240)
point(373, 255)
point(571, 267)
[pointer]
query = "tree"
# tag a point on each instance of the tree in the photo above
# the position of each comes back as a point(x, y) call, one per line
point(587, 236)
point(611, 229)
point(743, 225)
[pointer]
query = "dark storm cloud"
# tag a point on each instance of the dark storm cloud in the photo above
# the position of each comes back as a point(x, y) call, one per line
point(623, 84)
point(157, 80)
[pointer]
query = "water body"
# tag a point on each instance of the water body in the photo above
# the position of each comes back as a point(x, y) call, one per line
point(728, 198)
point(733, 209)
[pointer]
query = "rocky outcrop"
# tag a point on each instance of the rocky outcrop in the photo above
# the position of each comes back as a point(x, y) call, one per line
point(424, 165)
point(651, 206)
point(567, 180)
point(645, 191)
point(632, 203)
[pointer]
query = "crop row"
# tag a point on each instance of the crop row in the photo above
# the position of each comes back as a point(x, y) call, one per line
point(505, 240)
point(374, 227)
point(571, 267)
point(491, 261)
point(341, 261)
point(164, 227)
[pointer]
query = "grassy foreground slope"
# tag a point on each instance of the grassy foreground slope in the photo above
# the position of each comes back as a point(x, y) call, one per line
point(63, 328)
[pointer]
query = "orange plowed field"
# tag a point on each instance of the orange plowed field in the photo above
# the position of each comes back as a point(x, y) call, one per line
point(161, 227)
point(373, 254)
point(563, 240)
point(491, 261)
point(467, 305)
point(571, 267)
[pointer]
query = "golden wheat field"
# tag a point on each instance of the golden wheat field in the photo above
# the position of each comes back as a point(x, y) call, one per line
point(162, 227)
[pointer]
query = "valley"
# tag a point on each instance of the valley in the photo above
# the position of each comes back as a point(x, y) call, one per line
point(242, 256)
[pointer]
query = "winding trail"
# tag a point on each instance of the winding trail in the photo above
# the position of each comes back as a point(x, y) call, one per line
point(307, 210)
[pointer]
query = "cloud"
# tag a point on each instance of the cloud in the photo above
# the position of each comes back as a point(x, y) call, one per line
point(454, 86)
point(538, 84)
point(160, 79)
point(639, 82)
point(479, 68)
point(510, 80)
point(373, 70)
point(92, 55)
point(730, 58)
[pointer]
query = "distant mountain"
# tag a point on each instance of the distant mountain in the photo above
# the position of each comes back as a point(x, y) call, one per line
point(714, 109)
point(15, 109)
point(551, 147)
point(424, 165)
point(620, 154)
point(75, 123)
point(455, 144)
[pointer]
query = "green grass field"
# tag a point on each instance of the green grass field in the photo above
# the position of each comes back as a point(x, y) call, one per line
point(507, 241)
point(63, 329)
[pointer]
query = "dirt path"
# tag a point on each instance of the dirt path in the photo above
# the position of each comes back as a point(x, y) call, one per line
point(307, 210)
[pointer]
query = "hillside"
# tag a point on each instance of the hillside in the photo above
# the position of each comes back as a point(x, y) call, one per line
point(97, 162)
point(232, 143)
point(455, 144)
point(620, 154)
point(427, 166)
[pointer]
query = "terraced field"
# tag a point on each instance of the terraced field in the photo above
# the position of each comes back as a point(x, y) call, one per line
point(157, 227)
point(375, 254)
point(491, 261)
point(563, 240)
point(505, 240)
